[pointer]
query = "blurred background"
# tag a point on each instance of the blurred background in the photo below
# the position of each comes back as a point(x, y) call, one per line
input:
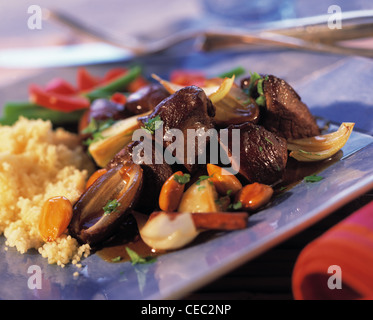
point(149, 18)
point(142, 20)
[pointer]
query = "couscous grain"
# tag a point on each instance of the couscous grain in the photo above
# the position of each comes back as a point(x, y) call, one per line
point(37, 163)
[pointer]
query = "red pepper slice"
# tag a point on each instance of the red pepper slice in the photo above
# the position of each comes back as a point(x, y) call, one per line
point(188, 78)
point(85, 80)
point(60, 86)
point(113, 74)
point(137, 84)
point(119, 98)
point(56, 101)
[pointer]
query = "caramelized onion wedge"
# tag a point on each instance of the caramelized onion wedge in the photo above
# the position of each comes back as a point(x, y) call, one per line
point(113, 140)
point(223, 90)
point(235, 107)
point(104, 205)
point(214, 92)
point(320, 147)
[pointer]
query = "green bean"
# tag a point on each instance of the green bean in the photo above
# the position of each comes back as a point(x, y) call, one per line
point(116, 85)
point(13, 110)
point(234, 72)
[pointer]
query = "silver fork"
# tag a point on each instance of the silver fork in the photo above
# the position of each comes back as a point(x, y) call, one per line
point(311, 34)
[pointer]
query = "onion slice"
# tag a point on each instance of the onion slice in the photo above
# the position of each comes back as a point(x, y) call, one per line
point(113, 139)
point(214, 92)
point(320, 147)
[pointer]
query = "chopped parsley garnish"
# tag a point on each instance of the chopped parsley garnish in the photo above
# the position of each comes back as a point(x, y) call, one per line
point(116, 259)
point(313, 178)
point(225, 198)
point(261, 101)
point(98, 126)
point(95, 137)
point(202, 178)
point(267, 139)
point(238, 71)
point(91, 128)
point(95, 128)
point(153, 124)
point(185, 178)
point(235, 206)
point(111, 206)
point(136, 259)
point(254, 77)
point(259, 86)
point(255, 89)
point(201, 188)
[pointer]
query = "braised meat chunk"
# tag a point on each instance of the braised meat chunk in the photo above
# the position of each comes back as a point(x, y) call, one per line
point(146, 98)
point(263, 155)
point(103, 109)
point(188, 109)
point(284, 113)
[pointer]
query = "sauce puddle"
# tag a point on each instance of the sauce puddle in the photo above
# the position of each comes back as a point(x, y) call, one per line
point(114, 250)
point(118, 253)
point(296, 171)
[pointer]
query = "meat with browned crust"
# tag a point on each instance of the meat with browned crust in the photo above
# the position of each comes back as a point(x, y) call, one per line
point(284, 112)
point(263, 154)
point(187, 109)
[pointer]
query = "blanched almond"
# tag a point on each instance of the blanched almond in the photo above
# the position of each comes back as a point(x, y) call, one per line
point(253, 196)
point(171, 193)
point(55, 217)
point(223, 180)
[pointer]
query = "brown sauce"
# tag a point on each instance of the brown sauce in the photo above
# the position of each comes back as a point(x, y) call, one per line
point(115, 249)
point(296, 171)
point(118, 252)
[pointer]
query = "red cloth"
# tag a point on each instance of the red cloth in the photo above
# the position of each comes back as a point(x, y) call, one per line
point(348, 246)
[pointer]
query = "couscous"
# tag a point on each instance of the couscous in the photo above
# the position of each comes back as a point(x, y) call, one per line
point(37, 163)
